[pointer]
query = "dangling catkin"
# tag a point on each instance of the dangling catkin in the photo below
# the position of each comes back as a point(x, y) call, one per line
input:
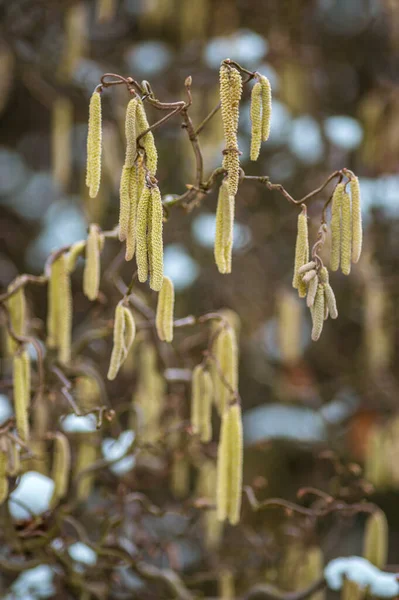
point(86, 456)
point(21, 379)
point(375, 541)
point(16, 305)
point(130, 131)
point(230, 95)
point(74, 252)
point(224, 229)
point(133, 198)
point(3, 470)
point(256, 120)
point(91, 274)
point(61, 129)
point(289, 326)
point(164, 316)
point(226, 585)
point(59, 312)
point(124, 202)
point(329, 296)
point(201, 403)
point(124, 333)
point(226, 371)
point(357, 231)
point(266, 107)
point(93, 173)
point(318, 313)
point(346, 234)
point(155, 240)
point(336, 226)
point(61, 467)
point(229, 469)
point(301, 252)
point(141, 243)
point(147, 142)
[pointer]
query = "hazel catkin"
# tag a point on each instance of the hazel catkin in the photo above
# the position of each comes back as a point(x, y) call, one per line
point(375, 541)
point(256, 120)
point(164, 315)
point(91, 273)
point(94, 143)
point(21, 380)
point(61, 467)
point(266, 107)
point(317, 313)
point(346, 233)
point(59, 312)
point(201, 403)
point(301, 251)
point(229, 466)
point(225, 373)
point(357, 231)
point(230, 95)
point(147, 141)
point(124, 334)
point(224, 229)
point(155, 242)
point(336, 226)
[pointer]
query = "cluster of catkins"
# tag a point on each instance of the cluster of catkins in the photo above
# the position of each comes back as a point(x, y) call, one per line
point(311, 276)
point(216, 380)
point(230, 95)
point(141, 211)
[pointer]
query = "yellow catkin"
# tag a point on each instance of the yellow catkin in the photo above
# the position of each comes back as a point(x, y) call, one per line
point(61, 467)
point(336, 226)
point(16, 305)
point(141, 243)
point(105, 10)
point(375, 541)
point(165, 306)
point(346, 234)
point(357, 230)
point(59, 312)
point(3, 471)
point(229, 475)
point(230, 95)
point(318, 313)
point(206, 488)
point(124, 334)
point(94, 143)
point(147, 142)
point(74, 252)
point(21, 379)
point(74, 40)
point(201, 403)
point(91, 274)
point(226, 371)
point(61, 139)
point(224, 229)
point(329, 296)
point(124, 202)
point(86, 456)
point(266, 107)
point(289, 327)
point(256, 120)
point(133, 199)
point(226, 585)
point(301, 252)
point(130, 132)
point(155, 240)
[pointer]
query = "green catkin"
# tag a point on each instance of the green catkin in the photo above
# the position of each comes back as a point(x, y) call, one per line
point(318, 313)
point(226, 372)
point(329, 296)
point(3, 471)
point(155, 241)
point(206, 487)
point(147, 142)
point(201, 403)
point(301, 252)
point(16, 305)
point(86, 456)
point(346, 234)
point(165, 306)
point(59, 314)
point(124, 334)
point(21, 378)
point(357, 231)
point(61, 467)
point(74, 252)
point(226, 585)
point(230, 95)
point(266, 107)
point(224, 229)
point(141, 243)
point(94, 141)
point(337, 200)
point(375, 541)
point(229, 476)
point(91, 273)
point(256, 120)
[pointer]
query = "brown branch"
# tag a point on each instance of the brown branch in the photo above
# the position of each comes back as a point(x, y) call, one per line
point(269, 592)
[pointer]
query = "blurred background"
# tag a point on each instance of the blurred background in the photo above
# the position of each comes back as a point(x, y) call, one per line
point(312, 411)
